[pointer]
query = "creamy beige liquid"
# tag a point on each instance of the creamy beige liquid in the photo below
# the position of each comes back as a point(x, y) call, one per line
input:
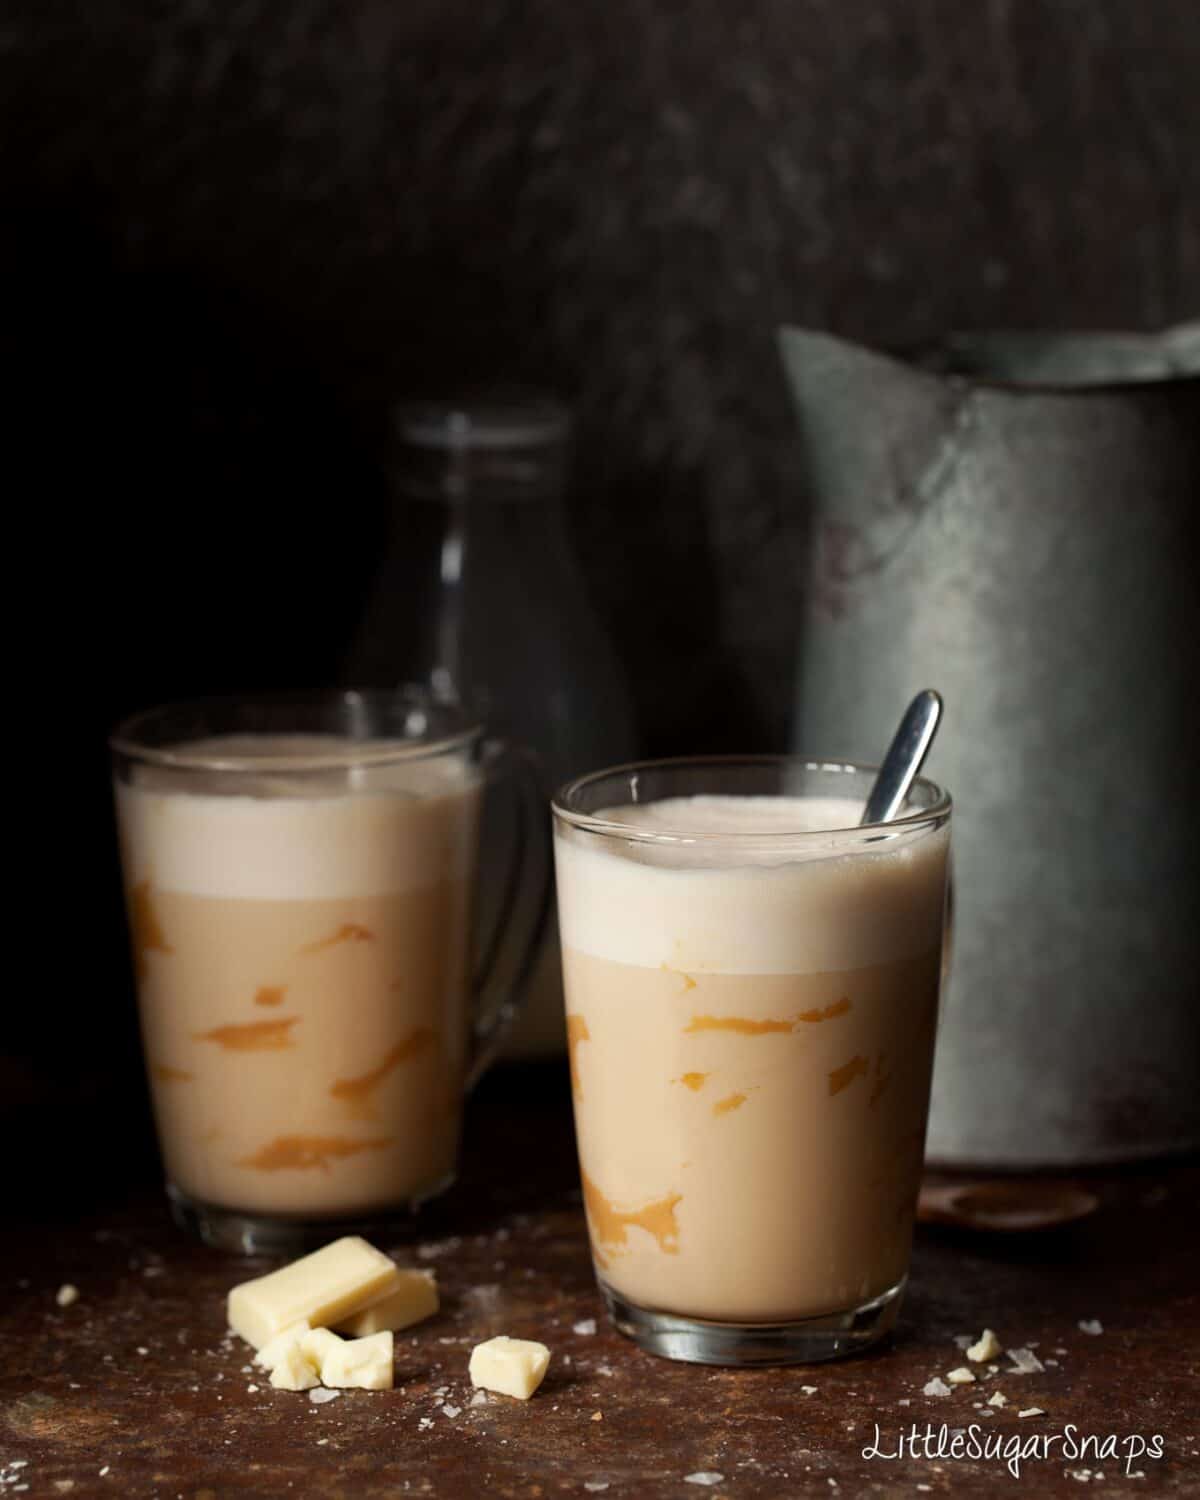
point(751, 1051)
point(302, 957)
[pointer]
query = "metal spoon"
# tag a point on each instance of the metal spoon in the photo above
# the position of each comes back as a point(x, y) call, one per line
point(905, 757)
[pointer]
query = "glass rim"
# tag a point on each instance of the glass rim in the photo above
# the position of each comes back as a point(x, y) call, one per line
point(124, 739)
point(939, 809)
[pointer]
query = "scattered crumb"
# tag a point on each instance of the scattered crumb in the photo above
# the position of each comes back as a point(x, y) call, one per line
point(321, 1442)
point(142, 1349)
point(1050, 1364)
point(451, 1411)
point(250, 1389)
point(424, 1423)
point(1032, 1411)
point(1026, 1361)
point(904, 1401)
point(987, 1347)
point(935, 1387)
point(478, 1399)
point(320, 1394)
point(703, 1476)
point(1091, 1325)
point(585, 1327)
point(104, 1470)
point(925, 1487)
point(66, 1294)
point(439, 1247)
point(961, 1376)
point(597, 1416)
point(809, 1390)
point(999, 1399)
point(595, 1485)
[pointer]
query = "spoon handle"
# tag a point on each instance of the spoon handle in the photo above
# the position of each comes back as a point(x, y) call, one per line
point(906, 754)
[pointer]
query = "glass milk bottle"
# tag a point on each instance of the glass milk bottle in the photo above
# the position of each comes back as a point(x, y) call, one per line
point(480, 594)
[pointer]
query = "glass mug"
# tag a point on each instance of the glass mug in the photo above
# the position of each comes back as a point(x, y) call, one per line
point(299, 877)
point(752, 993)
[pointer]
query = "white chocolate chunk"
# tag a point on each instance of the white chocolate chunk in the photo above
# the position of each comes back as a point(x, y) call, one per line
point(514, 1367)
point(273, 1351)
point(317, 1345)
point(293, 1372)
point(988, 1347)
point(999, 1399)
point(414, 1298)
point(961, 1376)
point(365, 1364)
point(330, 1284)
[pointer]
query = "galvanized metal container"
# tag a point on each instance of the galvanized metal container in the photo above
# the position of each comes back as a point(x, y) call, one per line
point(1018, 528)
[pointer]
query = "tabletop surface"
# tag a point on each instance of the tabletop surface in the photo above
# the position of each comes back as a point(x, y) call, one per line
point(137, 1389)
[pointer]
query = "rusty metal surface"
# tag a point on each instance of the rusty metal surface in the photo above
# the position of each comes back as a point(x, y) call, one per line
point(136, 1390)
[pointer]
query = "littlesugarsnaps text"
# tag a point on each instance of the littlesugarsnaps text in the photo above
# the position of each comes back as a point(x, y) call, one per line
point(1012, 1449)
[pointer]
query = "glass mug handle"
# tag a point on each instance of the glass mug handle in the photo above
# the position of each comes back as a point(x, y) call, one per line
point(507, 955)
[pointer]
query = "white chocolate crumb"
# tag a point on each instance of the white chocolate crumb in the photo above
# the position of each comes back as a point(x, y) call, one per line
point(1026, 1361)
point(584, 1328)
point(1032, 1411)
point(703, 1476)
point(961, 1376)
point(935, 1387)
point(987, 1347)
point(451, 1411)
point(1091, 1325)
point(321, 1394)
point(998, 1399)
point(66, 1294)
point(809, 1390)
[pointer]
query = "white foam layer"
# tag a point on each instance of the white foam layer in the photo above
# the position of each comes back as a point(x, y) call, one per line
point(762, 905)
point(289, 838)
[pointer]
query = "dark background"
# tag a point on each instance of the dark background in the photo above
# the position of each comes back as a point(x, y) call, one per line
point(236, 232)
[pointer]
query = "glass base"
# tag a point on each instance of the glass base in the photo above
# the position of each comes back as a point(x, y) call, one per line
point(267, 1234)
point(806, 1341)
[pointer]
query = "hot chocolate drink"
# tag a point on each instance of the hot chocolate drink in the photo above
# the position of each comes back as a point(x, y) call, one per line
point(302, 948)
point(751, 1024)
